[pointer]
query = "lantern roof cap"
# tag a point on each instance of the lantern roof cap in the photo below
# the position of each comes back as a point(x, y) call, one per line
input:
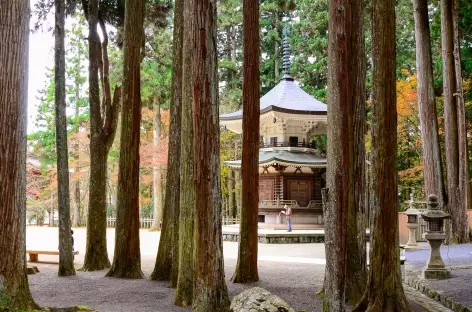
point(412, 211)
point(433, 211)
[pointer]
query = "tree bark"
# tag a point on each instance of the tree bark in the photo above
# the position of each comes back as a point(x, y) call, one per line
point(356, 269)
point(339, 174)
point(246, 266)
point(433, 175)
point(184, 293)
point(156, 171)
point(14, 30)
point(102, 134)
point(384, 289)
point(127, 255)
point(66, 259)
point(168, 253)
point(209, 289)
point(454, 123)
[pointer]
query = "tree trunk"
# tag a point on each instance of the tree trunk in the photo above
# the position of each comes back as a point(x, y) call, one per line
point(384, 288)
point(168, 252)
point(237, 192)
point(454, 123)
point(209, 289)
point(356, 270)
point(14, 29)
point(433, 175)
point(246, 267)
point(157, 180)
point(231, 195)
point(127, 255)
point(102, 134)
point(76, 218)
point(66, 259)
point(184, 293)
point(340, 152)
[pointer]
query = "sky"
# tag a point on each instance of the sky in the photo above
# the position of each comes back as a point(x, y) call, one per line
point(41, 57)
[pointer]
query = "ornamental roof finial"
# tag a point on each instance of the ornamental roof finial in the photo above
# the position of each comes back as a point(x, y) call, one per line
point(286, 55)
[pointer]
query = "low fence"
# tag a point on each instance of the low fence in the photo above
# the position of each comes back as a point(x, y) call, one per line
point(144, 223)
point(230, 220)
point(147, 223)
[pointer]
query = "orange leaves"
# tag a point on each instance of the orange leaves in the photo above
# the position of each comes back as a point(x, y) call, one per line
point(152, 155)
point(407, 98)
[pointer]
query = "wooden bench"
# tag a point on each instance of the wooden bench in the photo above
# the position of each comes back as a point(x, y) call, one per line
point(33, 254)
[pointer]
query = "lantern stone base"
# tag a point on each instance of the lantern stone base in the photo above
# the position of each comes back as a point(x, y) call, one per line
point(436, 273)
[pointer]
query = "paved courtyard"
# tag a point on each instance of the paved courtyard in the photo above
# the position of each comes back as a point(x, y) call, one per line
point(294, 272)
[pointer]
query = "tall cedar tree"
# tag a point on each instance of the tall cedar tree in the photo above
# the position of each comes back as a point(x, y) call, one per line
point(384, 289)
point(102, 134)
point(356, 267)
point(433, 174)
point(167, 260)
point(127, 255)
point(454, 122)
point(66, 260)
point(209, 289)
point(339, 175)
point(184, 293)
point(14, 30)
point(246, 267)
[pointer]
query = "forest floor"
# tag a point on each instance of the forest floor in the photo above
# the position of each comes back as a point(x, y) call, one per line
point(293, 272)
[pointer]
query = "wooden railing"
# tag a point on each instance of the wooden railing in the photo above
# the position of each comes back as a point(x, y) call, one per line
point(315, 204)
point(230, 220)
point(144, 223)
point(278, 203)
point(287, 144)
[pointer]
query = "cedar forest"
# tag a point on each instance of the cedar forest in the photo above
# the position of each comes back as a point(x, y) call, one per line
point(117, 113)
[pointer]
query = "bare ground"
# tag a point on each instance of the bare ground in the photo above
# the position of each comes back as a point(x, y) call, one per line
point(297, 284)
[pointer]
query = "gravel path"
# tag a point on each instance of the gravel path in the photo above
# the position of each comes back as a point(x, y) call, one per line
point(293, 272)
point(297, 284)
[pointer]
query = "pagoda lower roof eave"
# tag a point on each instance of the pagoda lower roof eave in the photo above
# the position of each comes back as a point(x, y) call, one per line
point(237, 164)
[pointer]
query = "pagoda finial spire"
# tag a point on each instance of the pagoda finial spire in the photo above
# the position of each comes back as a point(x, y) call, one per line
point(286, 55)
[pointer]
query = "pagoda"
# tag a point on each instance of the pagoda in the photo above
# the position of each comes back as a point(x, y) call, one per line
point(291, 171)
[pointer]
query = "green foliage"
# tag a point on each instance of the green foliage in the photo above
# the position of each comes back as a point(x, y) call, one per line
point(309, 46)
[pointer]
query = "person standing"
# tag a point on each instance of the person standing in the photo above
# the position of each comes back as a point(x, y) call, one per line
point(288, 215)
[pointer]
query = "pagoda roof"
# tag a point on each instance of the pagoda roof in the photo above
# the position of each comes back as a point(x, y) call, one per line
point(287, 97)
point(285, 158)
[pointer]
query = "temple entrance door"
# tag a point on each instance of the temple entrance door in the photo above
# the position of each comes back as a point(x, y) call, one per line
point(299, 190)
point(266, 189)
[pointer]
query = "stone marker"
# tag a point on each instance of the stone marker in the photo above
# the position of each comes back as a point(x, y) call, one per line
point(258, 299)
point(32, 270)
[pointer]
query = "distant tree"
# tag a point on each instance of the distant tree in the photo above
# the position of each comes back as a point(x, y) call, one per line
point(246, 267)
point(167, 255)
point(14, 29)
point(75, 60)
point(457, 160)
point(157, 178)
point(127, 255)
point(384, 288)
point(186, 271)
point(433, 174)
point(209, 288)
point(103, 121)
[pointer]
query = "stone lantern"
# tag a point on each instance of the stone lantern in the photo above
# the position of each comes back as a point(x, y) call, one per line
point(412, 225)
point(434, 217)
